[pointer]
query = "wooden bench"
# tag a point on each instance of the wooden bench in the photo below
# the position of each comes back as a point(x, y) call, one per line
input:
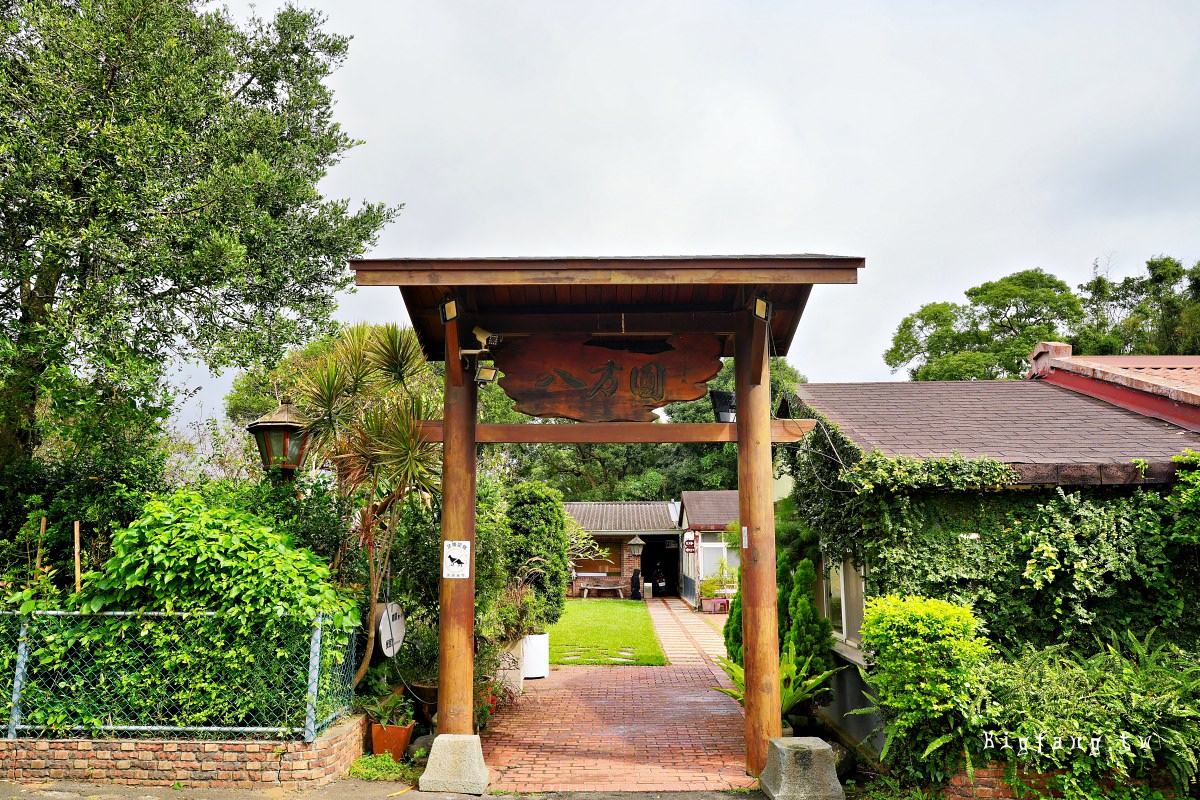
point(602, 587)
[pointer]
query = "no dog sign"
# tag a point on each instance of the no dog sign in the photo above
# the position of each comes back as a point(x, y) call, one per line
point(456, 559)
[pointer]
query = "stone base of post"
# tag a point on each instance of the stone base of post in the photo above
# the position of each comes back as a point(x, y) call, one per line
point(800, 768)
point(455, 765)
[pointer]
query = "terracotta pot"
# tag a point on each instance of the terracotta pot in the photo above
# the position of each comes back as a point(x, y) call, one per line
point(425, 692)
point(393, 739)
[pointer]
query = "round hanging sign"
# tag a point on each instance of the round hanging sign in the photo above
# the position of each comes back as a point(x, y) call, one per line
point(391, 628)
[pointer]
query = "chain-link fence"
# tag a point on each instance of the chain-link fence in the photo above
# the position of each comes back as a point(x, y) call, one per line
point(185, 675)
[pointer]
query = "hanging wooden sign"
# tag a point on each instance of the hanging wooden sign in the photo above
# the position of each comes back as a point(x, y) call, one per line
point(592, 379)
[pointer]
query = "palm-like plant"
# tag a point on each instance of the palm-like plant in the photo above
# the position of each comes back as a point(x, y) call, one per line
point(364, 405)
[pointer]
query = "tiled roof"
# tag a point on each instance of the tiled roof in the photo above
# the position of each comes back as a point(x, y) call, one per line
point(623, 516)
point(1048, 433)
point(710, 511)
point(1173, 377)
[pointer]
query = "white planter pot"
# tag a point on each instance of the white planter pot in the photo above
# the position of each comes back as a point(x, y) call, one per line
point(511, 674)
point(537, 655)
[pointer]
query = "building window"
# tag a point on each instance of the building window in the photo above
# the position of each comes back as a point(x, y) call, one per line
point(609, 562)
point(834, 595)
point(845, 590)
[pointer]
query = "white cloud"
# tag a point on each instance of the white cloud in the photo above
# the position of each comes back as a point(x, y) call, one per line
point(948, 143)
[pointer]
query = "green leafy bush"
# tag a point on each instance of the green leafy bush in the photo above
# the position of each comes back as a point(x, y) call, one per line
point(538, 542)
point(926, 679)
point(1133, 708)
point(799, 684)
point(184, 555)
point(808, 632)
point(734, 644)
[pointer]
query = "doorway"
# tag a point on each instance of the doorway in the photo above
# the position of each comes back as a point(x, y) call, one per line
point(660, 556)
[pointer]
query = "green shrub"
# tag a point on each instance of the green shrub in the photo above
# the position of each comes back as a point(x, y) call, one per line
point(810, 633)
point(926, 680)
point(538, 542)
point(734, 645)
point(184, 555)
point(1134, 706)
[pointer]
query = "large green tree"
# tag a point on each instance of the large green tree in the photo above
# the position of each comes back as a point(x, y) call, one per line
point(158, 196)
point(1151, 314)
point(991, 335)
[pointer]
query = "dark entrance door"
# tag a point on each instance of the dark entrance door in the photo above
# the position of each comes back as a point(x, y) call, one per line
point(659, 560)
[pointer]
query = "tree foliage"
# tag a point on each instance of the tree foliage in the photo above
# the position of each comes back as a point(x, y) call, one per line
point(988, 337)
point(538, 546)
point(158, 197)
point(992, 334)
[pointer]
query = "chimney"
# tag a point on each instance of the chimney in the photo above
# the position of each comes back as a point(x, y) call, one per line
point(1043, 353)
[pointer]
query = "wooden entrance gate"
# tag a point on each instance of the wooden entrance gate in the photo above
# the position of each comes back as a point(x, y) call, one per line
point(605, 342)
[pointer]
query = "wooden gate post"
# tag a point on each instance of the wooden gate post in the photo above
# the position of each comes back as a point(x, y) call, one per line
point(456, 636)
point(756, 517)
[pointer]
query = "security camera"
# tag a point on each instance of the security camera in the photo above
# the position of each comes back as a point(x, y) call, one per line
point(487, 338)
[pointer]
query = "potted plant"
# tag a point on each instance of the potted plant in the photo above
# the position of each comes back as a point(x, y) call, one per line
point(416, 663)
point(392, 724)
point(708, 593)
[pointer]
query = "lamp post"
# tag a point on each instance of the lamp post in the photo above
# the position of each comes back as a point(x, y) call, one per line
point(635, 546)
point(281, 439)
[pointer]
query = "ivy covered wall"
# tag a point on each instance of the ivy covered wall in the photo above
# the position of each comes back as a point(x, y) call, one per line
point(1039, 565)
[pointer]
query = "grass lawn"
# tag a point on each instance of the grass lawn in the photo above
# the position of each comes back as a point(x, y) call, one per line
point(605, 632)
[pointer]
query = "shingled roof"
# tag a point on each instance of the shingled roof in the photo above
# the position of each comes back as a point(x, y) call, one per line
point(623, 516)
point(1049, 434)
point(709, 511)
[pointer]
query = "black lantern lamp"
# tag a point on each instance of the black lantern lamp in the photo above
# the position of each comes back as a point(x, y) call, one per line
point(724, 405)
point(281, 438)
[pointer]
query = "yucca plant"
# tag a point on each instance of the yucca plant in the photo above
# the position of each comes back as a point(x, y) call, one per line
point(364, 406)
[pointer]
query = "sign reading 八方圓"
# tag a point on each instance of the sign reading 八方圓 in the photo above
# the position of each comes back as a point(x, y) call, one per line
point(593, 379)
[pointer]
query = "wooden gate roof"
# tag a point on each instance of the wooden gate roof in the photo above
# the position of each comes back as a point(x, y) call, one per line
point(617, 296)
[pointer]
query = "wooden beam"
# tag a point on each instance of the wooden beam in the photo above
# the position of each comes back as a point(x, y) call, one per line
point(756, 516)
point(782, 430)
point(454, 365)
point(400, 274)
point(633, 323)
point(456, 629)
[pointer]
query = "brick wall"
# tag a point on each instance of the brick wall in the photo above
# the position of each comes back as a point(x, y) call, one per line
point(629, 562)
point(193, 763)
point(989, 783)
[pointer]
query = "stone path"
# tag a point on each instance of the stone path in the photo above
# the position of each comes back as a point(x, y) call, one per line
point(687, 637)
point(619, 729)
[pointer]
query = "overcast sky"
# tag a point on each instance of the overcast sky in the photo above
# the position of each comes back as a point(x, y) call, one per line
point(948, 143)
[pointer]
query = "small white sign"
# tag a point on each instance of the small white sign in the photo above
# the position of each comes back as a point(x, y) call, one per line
point(745, 538)
point(456, 559)
point(391, 628)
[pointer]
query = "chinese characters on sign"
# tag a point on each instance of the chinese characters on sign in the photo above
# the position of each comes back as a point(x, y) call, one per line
point(606, 380)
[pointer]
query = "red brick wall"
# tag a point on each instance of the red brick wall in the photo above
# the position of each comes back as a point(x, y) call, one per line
point(629, 562)
point(193, 763)
point(989, 782)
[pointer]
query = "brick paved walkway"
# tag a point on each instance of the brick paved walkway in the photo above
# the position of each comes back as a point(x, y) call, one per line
point(618, 729)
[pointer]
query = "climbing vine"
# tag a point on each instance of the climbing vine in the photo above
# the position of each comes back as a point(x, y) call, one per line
point(1038, 565)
